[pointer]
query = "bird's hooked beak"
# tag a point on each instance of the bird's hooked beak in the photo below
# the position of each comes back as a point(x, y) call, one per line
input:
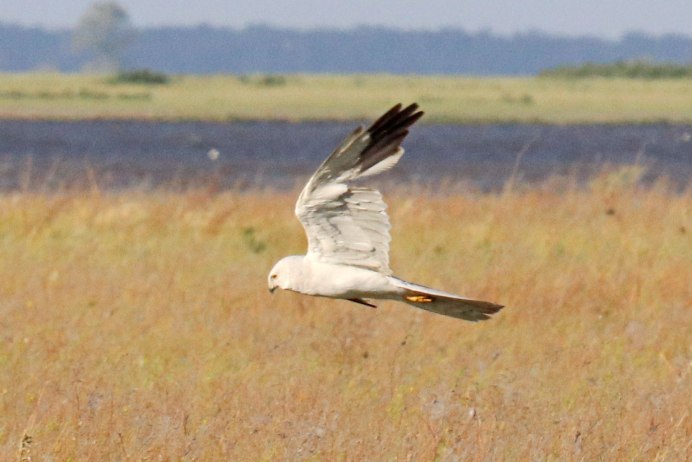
point(271, 282)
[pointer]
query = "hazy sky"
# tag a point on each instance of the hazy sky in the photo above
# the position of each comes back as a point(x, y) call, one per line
point(604, 18)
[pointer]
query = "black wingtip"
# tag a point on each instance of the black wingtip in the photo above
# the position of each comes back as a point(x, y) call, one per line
point(385, 117)
point(387, 133)
point(395, 118)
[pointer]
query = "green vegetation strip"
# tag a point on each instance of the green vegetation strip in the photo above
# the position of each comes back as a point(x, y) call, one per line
point(446, 99)
point(623, 69)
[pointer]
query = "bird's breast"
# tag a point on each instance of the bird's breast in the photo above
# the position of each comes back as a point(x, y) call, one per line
point(342, 281)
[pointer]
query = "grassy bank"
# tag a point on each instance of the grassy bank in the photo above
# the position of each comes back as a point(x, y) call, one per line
point(138, 326)
point(306, 97)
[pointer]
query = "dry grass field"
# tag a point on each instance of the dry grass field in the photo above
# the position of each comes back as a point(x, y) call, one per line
point(137, 326)
point(303, 97)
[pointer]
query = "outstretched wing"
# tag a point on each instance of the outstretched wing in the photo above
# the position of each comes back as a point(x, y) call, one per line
point(349, 225)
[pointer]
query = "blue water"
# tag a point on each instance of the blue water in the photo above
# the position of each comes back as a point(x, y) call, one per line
point(121, 154)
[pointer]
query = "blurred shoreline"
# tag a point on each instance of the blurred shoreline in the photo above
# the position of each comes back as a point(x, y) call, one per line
point(303, 97)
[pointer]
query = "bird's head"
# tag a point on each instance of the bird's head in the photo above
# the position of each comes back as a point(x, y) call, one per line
point(283, 273)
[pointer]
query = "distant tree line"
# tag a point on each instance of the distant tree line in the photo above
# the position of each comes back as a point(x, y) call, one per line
point(263, 49)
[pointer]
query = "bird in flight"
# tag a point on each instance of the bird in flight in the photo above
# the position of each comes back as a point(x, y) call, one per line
point(348, 229)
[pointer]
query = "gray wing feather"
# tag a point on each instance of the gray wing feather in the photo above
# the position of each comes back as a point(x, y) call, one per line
point(351, 228)
point(348, 225)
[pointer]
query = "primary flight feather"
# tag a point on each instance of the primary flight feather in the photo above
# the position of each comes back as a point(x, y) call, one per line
point(348, 229)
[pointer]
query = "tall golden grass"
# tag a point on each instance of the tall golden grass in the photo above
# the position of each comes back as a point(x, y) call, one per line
point(453, 99)
point(137, 326)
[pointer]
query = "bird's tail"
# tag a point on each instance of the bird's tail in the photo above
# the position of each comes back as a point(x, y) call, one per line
point(441, 302)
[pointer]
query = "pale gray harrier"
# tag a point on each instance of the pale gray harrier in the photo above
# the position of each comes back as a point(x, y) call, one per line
point(348, 229)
